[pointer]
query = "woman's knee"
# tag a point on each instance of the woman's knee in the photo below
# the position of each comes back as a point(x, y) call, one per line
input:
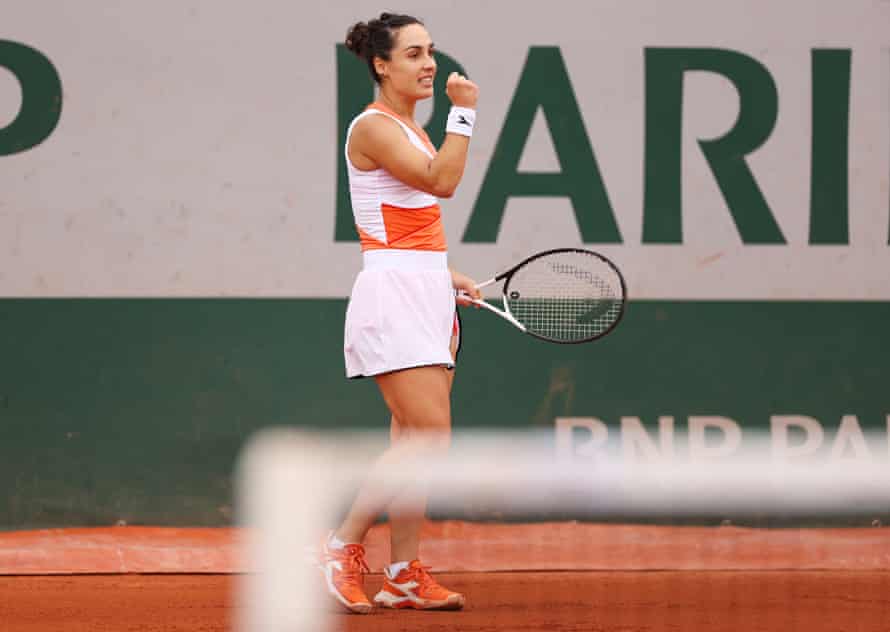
point(439, 438)
point(428, 438)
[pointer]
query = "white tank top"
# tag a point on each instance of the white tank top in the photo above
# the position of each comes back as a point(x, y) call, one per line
point(390, 214)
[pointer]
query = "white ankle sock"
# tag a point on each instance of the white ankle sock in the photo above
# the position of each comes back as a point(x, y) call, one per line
point(336, 543)
point(395, 567)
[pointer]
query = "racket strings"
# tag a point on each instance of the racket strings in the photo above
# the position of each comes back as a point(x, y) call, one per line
point(566, 296)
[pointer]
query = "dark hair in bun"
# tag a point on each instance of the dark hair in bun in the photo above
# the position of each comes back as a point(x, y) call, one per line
point(376, 37)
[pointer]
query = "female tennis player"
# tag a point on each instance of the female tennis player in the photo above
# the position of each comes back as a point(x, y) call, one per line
point(401, 323)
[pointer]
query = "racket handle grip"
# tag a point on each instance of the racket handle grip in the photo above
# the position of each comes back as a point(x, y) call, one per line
point(463, 296)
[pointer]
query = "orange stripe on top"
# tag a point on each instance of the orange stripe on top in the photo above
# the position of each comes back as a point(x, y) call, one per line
point(421, 133)
point(409, 229)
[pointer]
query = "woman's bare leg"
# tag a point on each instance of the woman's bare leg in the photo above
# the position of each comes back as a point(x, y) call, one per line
point(419, 399)
point(407, 512)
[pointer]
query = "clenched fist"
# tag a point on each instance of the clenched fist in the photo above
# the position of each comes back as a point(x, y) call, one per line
point(462, 92)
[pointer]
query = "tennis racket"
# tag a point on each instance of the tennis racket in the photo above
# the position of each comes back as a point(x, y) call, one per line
point(567, 295)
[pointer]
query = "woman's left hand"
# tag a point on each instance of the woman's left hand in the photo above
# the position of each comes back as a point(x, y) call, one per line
point(465, 286)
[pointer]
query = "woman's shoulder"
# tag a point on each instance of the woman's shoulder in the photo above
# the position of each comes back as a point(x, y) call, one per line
point(380, 128)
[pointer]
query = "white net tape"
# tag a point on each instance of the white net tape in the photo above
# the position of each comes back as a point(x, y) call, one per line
point(292, 484)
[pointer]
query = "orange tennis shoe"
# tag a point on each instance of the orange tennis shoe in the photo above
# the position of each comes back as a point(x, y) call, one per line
point(415, 588)
point(344, 570)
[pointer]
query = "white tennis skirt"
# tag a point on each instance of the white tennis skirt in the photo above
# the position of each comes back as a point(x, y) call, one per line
point(401, 313)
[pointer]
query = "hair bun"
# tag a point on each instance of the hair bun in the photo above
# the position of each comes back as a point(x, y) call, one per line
point(357, 38)
point(375, 38)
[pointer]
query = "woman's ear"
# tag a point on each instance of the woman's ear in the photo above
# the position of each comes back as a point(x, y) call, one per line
point(380, 67)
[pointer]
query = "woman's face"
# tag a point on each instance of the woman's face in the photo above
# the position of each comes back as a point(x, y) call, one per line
point(411, 67)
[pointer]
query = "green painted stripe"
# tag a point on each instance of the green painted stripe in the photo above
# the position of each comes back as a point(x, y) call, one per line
point(135, 409)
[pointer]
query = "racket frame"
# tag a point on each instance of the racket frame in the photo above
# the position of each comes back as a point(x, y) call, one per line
point(508, 316)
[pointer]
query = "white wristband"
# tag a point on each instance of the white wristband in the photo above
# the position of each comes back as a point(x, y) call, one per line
point(461, 121)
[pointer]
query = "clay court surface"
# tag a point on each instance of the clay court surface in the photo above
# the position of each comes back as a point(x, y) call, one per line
point(549, 576)
point(808, 601)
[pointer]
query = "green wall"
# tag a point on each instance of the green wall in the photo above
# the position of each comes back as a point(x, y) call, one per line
point(135, 409)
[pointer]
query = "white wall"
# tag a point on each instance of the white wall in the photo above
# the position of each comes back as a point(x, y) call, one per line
point(195, 155)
